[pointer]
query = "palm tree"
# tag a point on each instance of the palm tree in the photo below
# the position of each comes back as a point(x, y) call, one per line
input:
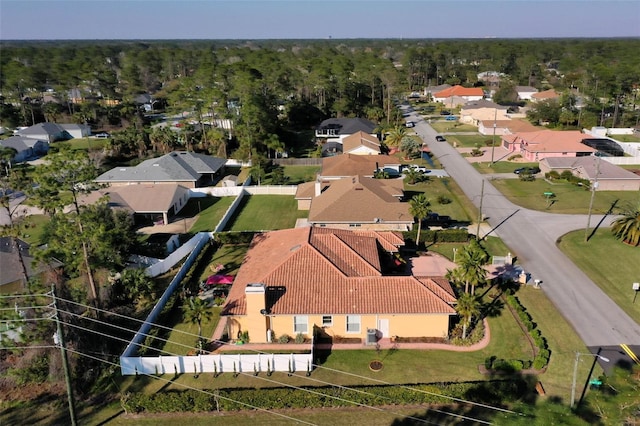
point(195, 311)
point(471, 260)
point(395, 137)
point(627, 228)
point(467, 307)
point(419, 208)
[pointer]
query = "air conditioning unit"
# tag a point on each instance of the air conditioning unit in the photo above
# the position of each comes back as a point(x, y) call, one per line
point(372, 337)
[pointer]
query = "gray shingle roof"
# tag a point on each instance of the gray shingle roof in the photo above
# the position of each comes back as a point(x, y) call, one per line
point(179, 166)
point(348, 126)
point(19, 143)
point(51, 129)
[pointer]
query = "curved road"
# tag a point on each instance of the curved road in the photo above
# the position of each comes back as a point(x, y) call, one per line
point(532, 235)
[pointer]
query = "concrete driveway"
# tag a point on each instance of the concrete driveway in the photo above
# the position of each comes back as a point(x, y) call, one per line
point(532, 235)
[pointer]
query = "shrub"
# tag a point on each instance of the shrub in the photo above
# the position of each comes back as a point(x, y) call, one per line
point(514, 157)
point(566, 175)
point(234, 237)
point(443, 199)
point(299, 338)
point(285, 338)
point(553, 175)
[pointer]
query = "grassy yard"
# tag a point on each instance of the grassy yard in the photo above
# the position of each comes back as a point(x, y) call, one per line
point(460, 208)
point(501, 166)
point(626, 138)
point(608, 262)
point(266, 212)
point(209, 210)
point(468, 141)
point(229, 255)
point(569, 199)
point(90, 144)
point(33, 234)
point(443, 126)
point(184, 335)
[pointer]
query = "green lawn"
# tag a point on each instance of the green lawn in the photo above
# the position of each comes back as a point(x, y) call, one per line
point(608, 262)
point(184, 335)
point(229, 255)
point(296, 174)
point(266, 212)
point(33, 234)
point(468, 141)
point(501, 166)
point(569, 199)
point(443, 126)
point(626, 138)
point(459, 208)
point(91, 144)
point(209, 210)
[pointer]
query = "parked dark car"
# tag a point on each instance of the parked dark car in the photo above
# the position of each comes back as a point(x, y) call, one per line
point(440, 138)
point(445, 112)
point(531, 170)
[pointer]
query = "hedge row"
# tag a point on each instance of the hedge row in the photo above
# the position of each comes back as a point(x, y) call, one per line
point(234, 237)
point(439, 236)
point(542, 357)
point(280, 398)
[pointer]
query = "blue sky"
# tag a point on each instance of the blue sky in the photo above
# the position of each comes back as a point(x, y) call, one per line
point(266, 19)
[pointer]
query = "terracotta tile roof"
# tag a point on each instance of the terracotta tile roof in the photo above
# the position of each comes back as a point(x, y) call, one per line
point(295, 266)
point(545, 94)
point(359, 139)
point(459, 91)
point(360, 199)
point(351, 165)
point(551, 141)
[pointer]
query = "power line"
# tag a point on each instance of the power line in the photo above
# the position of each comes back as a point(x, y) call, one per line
point(460, 400)
point(114, 364)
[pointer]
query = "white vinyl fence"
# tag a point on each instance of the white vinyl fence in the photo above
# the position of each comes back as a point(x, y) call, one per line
point(218, 363)
point(170, 261)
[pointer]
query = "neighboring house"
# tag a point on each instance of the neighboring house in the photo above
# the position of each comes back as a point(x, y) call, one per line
point(453, 101)
point(336, 129)
point(230, 180)
point(77, 130)
point(534, 146)
point(348, 165)
point(429, 91)
point(609, 176)
point(49, 132)
point(147, 203)
point(294, 281)
point(491, 78)
point(180, 167)
point(11, 274)
point(361, 143)
point(525, 92)
point(545, 95)
point(475, 111)
point(26, 148)
point(505, 127)
point(357, 202)
point(467, 93)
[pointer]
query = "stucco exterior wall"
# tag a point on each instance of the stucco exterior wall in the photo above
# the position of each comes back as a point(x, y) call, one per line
point(384, 226)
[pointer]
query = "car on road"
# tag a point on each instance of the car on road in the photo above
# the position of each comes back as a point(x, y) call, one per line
point(530, 170)
point(410, 124)
point(451, 118)
point(103, 135)
point(440, 138)
point(445, 112)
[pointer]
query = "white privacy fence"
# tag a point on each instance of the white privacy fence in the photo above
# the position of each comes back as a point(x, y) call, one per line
point(217, 363)
point(234, 191)
point(164, 265)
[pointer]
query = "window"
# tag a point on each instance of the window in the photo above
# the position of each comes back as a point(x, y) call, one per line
point(300, 324)
point(327, 320)
point(353, 323)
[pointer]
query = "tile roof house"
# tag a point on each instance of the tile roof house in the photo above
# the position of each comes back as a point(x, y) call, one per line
point(545, 95)
point(11, 274)
point(534, 146)
point(146, 202)
point(49, 132)
point(180, 167)
point(336, 129)
point(26, 148)
point(610, 177)
point(357, 202)
point(292, 281)
point(361, 143)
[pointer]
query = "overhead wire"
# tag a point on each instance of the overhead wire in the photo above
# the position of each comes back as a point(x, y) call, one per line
point(459, 400)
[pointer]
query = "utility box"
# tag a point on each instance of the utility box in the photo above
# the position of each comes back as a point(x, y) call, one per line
point(372, 337)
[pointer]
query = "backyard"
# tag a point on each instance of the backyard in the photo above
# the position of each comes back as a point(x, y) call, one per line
point(266, 212)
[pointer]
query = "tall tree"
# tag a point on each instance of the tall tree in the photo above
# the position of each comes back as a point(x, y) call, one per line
point(468, 306)
point(470, 271)
point(420, 209)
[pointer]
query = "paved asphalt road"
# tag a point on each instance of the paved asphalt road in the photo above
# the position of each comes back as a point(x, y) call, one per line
point(532, 235)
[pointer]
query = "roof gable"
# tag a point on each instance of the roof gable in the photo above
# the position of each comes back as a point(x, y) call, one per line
point(459, 91)
point(348, 126)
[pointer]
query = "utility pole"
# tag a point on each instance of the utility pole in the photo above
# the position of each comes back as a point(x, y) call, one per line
point(593, 193)
point(65, 361)
point(480, 212)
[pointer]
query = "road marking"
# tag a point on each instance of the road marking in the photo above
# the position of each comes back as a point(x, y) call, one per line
point(629, 352)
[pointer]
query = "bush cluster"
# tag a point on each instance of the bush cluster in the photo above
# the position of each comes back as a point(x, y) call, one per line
point(244, 237)
point(443, 199)
point(439, 236)
point(543, 354)
point(281, 398)
point(569, 177)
